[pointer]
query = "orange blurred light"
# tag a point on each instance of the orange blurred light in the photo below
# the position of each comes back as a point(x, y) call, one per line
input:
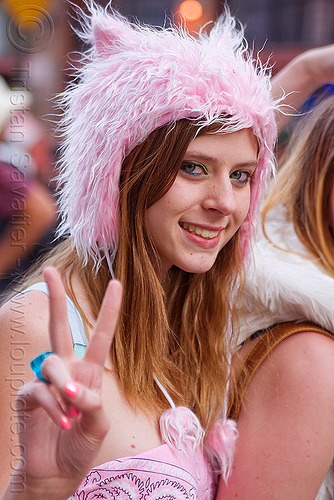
point(191, 10)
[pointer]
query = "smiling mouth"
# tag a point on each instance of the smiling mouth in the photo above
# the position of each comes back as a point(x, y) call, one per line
point(199, 231)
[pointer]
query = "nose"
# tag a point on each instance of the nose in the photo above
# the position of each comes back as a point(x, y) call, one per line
point(220, 196)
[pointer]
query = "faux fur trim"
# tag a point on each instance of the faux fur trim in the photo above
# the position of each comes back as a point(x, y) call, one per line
point(284, 285)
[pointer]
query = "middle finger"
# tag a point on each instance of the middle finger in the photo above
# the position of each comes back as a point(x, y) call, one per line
point(99, 345)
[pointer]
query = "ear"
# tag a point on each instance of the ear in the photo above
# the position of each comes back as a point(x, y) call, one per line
point(110, 33)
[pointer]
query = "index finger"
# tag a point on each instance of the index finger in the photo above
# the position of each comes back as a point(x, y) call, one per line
point(99, 345)
point(59, 330)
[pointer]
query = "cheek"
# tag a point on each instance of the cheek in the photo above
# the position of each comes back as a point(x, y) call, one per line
point(159, 214)
point(244, 204)
point(152, 217)
point(176, 200)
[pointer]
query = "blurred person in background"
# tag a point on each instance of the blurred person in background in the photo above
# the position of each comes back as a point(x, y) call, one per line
point(27, 210)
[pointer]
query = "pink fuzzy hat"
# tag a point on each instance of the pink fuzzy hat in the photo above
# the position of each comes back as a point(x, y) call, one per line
point(135, 79)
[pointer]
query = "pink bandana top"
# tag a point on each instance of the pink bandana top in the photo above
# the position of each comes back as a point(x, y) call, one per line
point(160, 473)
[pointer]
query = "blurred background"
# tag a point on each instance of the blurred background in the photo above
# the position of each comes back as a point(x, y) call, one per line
point(36, 36)
point(37, 48)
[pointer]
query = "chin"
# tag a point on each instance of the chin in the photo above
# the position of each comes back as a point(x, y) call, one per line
point(196, 268)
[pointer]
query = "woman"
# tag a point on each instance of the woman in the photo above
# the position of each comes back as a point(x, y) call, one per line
point(167, 148)
point(285, 387)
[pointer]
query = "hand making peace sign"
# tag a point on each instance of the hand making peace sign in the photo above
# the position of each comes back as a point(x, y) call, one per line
point(63, 421)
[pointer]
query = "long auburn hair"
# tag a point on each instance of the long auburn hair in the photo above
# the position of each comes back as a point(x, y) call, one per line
point(178, 328)
point(305, 180)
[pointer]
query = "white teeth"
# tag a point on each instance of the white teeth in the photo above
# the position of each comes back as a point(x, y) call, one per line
point(204, 233)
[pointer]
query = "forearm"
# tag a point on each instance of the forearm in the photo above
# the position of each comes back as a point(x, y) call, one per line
point(300, 78)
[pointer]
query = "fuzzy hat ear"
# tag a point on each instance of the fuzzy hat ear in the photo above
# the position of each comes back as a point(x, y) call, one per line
point(110, 34)
point(220, 34)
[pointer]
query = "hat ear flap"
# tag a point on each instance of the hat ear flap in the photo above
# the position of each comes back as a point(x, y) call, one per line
point(110, 34)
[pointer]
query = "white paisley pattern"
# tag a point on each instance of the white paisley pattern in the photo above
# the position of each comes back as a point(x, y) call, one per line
point(145, 478)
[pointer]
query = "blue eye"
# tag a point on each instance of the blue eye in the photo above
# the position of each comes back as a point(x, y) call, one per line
point(241, 176)
point(194, 168)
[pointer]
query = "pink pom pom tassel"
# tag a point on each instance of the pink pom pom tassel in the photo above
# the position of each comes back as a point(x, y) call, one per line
point(220, 446)
point(181, 429)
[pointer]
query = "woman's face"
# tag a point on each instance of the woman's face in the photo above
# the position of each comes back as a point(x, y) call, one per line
point(207, 202)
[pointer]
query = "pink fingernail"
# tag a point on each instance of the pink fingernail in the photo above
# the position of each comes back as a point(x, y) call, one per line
point(65, 422)
point(72, 389)
point(73, 412)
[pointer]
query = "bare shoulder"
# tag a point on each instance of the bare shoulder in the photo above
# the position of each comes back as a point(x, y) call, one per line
point(24, 323)
point(307, 359)
point(23, 335)
point(300, 368)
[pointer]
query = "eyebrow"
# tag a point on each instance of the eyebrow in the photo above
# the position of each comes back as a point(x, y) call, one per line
point(212, 159)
